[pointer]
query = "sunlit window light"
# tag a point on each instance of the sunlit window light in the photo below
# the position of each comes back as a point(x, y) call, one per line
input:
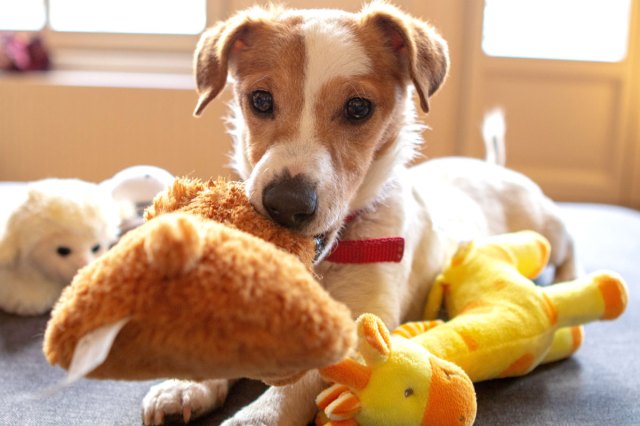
point(583, 30)
point(129, 16)
point(22, 15)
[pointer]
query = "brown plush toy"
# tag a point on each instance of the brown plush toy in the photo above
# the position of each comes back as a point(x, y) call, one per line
point(193, 294)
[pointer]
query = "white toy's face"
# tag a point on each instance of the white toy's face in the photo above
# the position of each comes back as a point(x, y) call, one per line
point(61, 254)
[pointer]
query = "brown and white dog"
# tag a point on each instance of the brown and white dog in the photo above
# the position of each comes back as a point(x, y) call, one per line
point(324, 127)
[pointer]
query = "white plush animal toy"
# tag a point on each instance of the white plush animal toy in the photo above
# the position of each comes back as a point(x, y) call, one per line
point(55, 227)
point(136, 187)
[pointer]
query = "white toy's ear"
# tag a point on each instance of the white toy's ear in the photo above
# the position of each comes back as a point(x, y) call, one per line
point(10, 242)
point(9, 247)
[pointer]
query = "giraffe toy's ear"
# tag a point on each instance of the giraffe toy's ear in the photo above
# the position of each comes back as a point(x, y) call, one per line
point(374, 339)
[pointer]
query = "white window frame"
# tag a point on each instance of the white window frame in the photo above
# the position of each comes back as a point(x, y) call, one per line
point(123, 52)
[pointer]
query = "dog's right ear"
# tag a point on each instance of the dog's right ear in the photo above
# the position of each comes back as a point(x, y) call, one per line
point(213, 52)
point(211, 61)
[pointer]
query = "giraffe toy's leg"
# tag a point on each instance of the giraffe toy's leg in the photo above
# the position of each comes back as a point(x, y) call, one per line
point(566, 341)
point(528, 250)
point(602, 295)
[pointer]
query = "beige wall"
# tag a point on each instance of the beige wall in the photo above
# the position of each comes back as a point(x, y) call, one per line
point(92, 132)
point(87, 130)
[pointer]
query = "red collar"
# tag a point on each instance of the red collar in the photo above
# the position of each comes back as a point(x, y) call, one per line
point(368, 251)
point(374, 250)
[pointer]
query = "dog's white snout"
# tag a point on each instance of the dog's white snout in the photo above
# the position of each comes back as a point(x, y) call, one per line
point(291, 201)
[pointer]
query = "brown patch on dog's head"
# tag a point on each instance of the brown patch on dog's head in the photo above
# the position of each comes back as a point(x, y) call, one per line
point(403, 51)
point(272, 61)
point(353, 145)
point(231, 46)
point(262, 49)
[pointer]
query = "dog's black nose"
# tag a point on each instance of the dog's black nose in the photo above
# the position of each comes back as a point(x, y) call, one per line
point(290, 201)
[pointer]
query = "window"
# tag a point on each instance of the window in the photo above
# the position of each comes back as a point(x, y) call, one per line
point(127, 16)
point(106, 16)
point(115, 35)
point(28, 15)
point(582, 30)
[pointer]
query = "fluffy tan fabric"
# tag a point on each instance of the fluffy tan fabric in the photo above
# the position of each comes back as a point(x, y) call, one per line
point(206, 299)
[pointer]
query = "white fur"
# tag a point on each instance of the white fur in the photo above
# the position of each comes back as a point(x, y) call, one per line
point(494, 130)
point(331, 52)
point(433, 206)
point(52, 213)
point(393, 162)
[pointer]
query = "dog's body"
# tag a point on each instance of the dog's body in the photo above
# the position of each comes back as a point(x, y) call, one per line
point(324, 127)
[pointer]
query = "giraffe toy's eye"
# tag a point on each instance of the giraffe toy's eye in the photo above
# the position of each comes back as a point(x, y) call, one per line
point(408, 392)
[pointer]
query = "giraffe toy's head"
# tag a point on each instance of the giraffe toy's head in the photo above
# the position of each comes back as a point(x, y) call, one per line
point(397, 382)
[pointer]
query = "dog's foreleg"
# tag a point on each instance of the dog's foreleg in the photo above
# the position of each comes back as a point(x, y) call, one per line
point(291, 405)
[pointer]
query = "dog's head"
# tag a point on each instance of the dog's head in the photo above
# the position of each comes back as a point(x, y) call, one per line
point(321, 111)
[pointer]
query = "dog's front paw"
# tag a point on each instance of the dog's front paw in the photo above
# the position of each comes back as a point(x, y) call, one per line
point(182, 399)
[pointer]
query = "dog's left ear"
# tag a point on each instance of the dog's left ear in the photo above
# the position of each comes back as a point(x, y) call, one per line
point(419, 49)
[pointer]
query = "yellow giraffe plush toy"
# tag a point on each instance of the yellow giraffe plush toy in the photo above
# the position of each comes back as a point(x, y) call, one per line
point(399, 383)
point(501, 324)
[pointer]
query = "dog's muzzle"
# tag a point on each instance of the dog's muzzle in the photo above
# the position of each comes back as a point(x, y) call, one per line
point(290, 201)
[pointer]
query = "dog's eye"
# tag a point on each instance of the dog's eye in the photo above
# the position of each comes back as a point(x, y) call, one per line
point(63, 251)
point(95, 248)
point(262, 102)
point(357, 109)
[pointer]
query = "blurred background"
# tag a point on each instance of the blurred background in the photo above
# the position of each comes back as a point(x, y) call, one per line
point(118, 88)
